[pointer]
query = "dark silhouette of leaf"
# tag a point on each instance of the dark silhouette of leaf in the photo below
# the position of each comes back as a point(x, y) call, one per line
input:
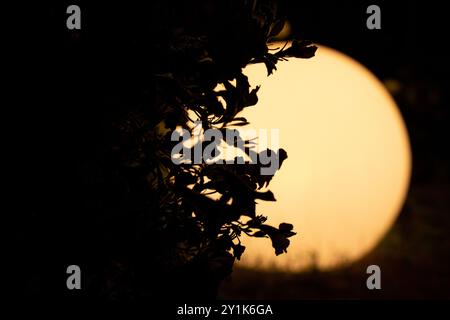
point(276, 28)
point(238, 250)
point(299, 49)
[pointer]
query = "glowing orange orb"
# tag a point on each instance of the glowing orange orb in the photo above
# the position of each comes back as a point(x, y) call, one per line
point(348, 165)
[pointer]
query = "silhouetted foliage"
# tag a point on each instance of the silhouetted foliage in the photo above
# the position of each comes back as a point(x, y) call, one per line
point(149, 227)
point(194, 64)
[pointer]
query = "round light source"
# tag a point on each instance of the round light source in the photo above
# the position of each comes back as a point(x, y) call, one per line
point(348, 165)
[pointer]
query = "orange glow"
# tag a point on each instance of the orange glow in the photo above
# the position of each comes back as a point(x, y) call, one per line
point(348, 165)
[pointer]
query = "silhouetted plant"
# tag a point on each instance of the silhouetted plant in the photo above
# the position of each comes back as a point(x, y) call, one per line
point(137, 224)
point(174, 209)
